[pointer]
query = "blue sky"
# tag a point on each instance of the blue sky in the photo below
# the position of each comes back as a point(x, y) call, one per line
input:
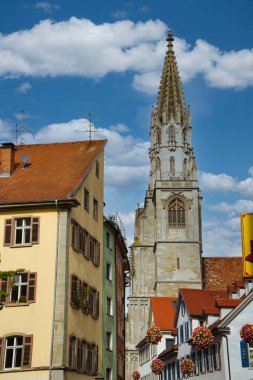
point(60, 60)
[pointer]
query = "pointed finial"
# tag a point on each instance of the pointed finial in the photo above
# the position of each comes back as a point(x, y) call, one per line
point(170, 39)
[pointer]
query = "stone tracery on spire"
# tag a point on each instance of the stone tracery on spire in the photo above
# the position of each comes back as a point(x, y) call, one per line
point(170, 101)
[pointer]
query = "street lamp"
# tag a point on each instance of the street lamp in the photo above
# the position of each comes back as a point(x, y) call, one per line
point(99, 377)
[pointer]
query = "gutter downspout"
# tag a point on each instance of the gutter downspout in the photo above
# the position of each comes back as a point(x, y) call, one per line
point(229, 372)
point(54, 302)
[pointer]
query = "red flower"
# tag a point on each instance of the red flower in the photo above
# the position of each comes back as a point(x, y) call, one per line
point(202, 337)
point(246, 333)
point(153, 335)
point(157, 366)
point(187, 366)
point(136, 375)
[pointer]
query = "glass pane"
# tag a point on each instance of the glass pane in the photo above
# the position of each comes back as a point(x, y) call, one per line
point(24, 277)
point(27, 236)
point(10, 341)
point(23, 290)
point(27, 221)
point(19, 340)
point(18, 357)
point(8, 359)
point(14, 293)
point(19, 222)
point(18, 239)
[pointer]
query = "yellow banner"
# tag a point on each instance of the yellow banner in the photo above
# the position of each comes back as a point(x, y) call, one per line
point(247, 244)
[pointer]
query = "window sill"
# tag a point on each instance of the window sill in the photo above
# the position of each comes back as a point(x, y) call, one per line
point(16, 304)
point(20, 245)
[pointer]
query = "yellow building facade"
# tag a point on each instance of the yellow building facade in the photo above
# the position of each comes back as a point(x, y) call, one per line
point(51, 233)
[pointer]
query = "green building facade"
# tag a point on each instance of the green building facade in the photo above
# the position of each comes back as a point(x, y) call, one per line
point(109, 354)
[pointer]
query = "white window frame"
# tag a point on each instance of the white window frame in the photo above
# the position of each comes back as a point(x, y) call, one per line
point(108, 340)
point(109, 275)
point(19, 284)
point(109, 310)
point(14, 348)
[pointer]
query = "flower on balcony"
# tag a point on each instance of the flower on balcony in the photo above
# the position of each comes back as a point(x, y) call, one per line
point(246, 333)
point(202, 337)
point(157, 366)
point(187, 366)
point(136, 375)
point(153, 335)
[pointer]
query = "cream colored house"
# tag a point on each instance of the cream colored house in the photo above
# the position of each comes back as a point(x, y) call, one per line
point(51, 226)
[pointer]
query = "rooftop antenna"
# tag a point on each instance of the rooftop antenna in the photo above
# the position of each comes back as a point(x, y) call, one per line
point(90, 129)
point(21, 128)
point(10, 131)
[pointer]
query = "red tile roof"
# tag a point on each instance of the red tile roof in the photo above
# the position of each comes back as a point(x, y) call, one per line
point(56, 171)
point(228, 302)
point(163, 309)
point(196, 299)
point(211, 311)
point(218, 272)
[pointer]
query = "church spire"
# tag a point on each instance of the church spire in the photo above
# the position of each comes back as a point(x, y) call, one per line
point(170, 101)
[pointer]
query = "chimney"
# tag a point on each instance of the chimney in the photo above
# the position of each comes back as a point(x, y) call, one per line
point(7, 159)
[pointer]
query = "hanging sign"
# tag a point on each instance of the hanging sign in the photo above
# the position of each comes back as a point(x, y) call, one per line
point(247, 244)
point(244, 354)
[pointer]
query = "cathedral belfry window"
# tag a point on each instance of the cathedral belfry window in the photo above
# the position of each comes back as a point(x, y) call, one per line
point(172, 166)
point(185, 166)
point(176, 214)
point(158, 137)
point(172, 137)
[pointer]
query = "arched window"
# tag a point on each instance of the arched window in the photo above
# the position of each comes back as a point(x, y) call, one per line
point(158, 136)
point(172, 166)
point(185, 137)
point(185, 166)
point(176, 214)
point(172, 136)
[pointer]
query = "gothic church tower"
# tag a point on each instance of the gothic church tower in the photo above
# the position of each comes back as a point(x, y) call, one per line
point(167, 248)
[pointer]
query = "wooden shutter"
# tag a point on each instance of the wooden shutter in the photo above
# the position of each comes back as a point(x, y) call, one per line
point(4, 285)
point(35, 230)
point(8, 228)
point(27, 351)
point(96, 313)
point(94, 359)
point(91, 248)
point(31, 287)
point(1, 350)
point(98, 254)
point(87, 245)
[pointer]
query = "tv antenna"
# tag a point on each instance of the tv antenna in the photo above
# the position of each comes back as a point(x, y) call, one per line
point(91, 128)
point(11, 131)
point(21, 128)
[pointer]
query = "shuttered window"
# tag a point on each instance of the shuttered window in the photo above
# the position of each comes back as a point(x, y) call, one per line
point(21, 231)
point(18, 352)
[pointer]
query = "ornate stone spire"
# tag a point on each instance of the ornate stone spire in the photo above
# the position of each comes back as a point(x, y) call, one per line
point(170, 101)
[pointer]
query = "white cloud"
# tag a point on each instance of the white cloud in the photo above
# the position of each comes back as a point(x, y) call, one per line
point(78, 47)
point(220, 183)
point(242, 205)
point(119, 14)
point(46, 7)
point(222, 237)
point(6, 130)
point(24, 87)
point(216, 182)
point(126, 160)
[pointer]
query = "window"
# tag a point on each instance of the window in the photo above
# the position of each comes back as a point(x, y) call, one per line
point(108, 240)
point(109, 271)
point(108, 374)
point(72, 352)
point(172, 166)
point(21, 231)
point(183, 308)
point(75, 292)
point(95, 209)
point(185, 166)
point(172, 138)
point(181, 333)
point(158, 136)
point(21, 288)
point(176, 212)
point(250, 354)
point(109, 308)
point(86, 201)
point(108, 341)
point(97, 169)
point(18, 351)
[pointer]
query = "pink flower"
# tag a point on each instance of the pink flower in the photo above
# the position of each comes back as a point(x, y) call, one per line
point(202, 337)
point(157, 366)
point(246, 332)
point(153, 335)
